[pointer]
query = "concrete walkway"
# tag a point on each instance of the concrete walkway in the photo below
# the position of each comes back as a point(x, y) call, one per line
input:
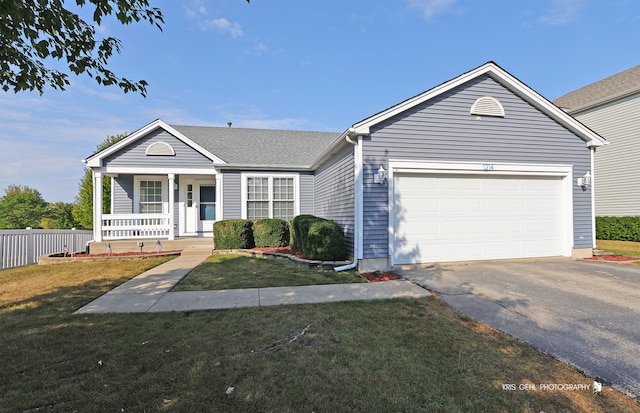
point(150, 292)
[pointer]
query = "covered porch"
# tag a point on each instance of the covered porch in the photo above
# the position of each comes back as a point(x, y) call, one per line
point(160, 207)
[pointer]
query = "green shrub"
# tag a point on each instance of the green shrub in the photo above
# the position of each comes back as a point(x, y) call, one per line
point(271, 232)
point(318, 238)
point(233, 234)
point(296, 234)
point(618, 228)
point(324, 241)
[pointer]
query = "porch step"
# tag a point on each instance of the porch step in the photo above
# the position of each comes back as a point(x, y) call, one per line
point(149, 245)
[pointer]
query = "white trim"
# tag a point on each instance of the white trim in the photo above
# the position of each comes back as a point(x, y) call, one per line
point(500, 75)
point(219, 198)
point(270, 176)
point(97, 205)
point(96, 159)
point(476, 168)
point(157, 171)
point(398, 165)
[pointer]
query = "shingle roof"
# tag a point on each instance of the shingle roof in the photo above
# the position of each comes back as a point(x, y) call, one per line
point(245, 146)
point(616, 85)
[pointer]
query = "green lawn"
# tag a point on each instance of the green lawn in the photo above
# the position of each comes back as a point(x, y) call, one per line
point(231, 271)
point(384, 356)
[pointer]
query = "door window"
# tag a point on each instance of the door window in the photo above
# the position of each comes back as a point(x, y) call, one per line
point(207, 203)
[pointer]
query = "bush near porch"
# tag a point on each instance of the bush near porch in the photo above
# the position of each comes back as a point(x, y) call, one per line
point(318, 238)
point(233, 234)
point(618, 228)
point(271, 232)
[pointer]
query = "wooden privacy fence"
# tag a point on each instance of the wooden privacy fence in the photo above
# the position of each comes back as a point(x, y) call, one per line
point(24, 246)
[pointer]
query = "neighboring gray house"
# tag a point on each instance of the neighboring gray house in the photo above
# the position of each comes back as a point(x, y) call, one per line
point(480, 167)
point(611, 107)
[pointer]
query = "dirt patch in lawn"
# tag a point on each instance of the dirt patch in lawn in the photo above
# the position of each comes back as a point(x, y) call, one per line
point(378, 276)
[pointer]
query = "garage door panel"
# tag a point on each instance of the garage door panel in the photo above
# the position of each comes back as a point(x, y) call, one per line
point(462, 228)
point(471, 217)
point(457, 184)
point(503, 205)
point(501, 228)
point(462, 205)
point(461, 250)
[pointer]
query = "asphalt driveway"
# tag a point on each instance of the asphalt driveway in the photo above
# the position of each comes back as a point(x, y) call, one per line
point(585, 313)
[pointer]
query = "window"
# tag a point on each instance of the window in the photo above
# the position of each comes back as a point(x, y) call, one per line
point(150, 197)
point(270, 197)
point(283, 198)
point(257, 198)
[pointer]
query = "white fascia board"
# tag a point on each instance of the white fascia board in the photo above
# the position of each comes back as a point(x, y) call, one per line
point(157, 171)
point(96, 159)
point(500, 75)
point(401, 166)
point(253, 167)
point(334, 148)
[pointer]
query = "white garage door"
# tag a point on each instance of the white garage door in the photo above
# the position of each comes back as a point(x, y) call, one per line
point(447, 217)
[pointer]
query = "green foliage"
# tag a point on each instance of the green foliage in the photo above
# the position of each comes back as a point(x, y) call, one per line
point(324, 240)
point(271, 233)
point(83, 206)
point(318, 238)
point(34, 32)
point(59, 215)
point(233, 234)
point(296, 234)
point(21, 207)
point(618, 228)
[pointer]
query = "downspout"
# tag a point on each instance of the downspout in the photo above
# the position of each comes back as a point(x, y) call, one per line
point(593, 197)
point(357, 202)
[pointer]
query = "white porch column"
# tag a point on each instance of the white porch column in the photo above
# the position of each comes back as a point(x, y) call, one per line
point(97, 206)
point(172, 180)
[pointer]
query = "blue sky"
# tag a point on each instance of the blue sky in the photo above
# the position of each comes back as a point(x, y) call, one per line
point(309, 65)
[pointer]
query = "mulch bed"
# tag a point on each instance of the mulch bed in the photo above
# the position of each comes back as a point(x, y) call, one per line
point(617, 258)
point(282, 250)
point(124, 254)
point(378, 276)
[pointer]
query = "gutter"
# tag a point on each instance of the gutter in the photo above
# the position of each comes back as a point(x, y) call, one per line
point(352, 133)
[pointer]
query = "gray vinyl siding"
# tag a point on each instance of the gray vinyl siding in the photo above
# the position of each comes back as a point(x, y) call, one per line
point(442, 129)
point(618, 122)
point(134, 155)
point(122, 194)
point(306, 193)
point(334, 193)
point(231, 193)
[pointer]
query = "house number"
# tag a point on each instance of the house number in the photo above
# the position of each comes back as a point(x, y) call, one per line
point(488, 166)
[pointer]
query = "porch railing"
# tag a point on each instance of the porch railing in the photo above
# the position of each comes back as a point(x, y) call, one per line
point(133, 226)
point(25, 246)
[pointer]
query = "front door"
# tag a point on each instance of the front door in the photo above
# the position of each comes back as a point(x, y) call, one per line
point(200, 203)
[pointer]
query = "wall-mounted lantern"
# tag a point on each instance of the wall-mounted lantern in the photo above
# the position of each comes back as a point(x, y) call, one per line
point(585, 181)
point(380, 177)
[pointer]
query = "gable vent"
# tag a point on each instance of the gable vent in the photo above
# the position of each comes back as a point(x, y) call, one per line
point(160, 149)
point(487, 106)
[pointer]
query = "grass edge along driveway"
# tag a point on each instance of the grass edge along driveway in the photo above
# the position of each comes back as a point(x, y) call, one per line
point(394, 355)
